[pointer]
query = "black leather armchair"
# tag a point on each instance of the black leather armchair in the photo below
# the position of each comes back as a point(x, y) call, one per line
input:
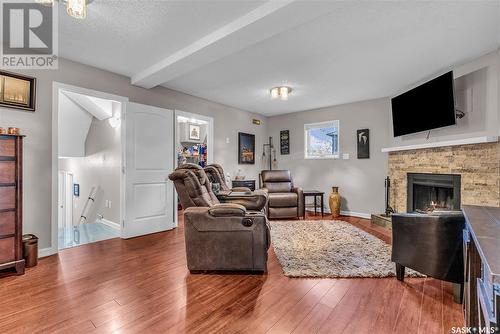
point(430, 244)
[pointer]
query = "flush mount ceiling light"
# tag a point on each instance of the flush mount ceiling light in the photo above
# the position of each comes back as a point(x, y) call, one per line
point(74, 8)
point(281, 92)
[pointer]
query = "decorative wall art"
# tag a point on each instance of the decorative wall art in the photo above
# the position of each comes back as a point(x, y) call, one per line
point(17, 91)
point(194, 132)
point(285, 142)
point(246, 148)
point(363, 139)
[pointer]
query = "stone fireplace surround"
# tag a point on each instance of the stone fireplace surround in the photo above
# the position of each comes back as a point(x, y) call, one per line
point(478, 165)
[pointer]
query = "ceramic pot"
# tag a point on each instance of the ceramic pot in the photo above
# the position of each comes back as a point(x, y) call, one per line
point(13, 131)
point(334, 202)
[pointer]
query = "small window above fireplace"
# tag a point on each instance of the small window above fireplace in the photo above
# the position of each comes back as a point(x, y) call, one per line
point(433, 191)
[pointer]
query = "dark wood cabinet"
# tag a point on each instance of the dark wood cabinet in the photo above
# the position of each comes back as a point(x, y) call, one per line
point(11, 196)
point(482, 268)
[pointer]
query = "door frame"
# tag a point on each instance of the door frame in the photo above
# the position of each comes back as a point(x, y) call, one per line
point(210, 144)
point(56, 88)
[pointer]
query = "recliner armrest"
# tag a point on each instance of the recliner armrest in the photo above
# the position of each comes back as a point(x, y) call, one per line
point(241, 189)
point(257, 201)
point(227, 209)
point(300, 199)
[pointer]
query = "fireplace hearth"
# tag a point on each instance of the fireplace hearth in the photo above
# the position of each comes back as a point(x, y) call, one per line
point(427, 192)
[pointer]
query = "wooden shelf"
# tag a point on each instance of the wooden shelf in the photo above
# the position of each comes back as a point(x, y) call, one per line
point(465, 141)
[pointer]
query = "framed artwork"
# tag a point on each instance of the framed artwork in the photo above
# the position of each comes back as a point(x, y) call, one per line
point(285, 142)
point(363, 139)
point(246, 148)
point(194, 132)
point(17, 91)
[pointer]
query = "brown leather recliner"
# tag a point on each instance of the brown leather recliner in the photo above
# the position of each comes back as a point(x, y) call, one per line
point(220, 236)
point(216, 174)
point(285, 200)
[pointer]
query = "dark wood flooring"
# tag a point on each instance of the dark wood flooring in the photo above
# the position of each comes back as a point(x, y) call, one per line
point(142, 285)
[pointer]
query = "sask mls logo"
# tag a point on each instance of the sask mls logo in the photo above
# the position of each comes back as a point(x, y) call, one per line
point(29, 38)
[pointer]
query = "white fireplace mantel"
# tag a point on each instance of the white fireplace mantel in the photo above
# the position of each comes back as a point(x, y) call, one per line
point(465, 141)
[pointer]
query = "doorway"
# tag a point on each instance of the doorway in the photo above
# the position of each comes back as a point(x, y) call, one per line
point(194, 142)
point(89, 168)
point(143, 198)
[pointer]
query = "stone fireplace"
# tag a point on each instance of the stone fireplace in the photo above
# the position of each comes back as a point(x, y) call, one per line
point(432, 191)
point(478, 166)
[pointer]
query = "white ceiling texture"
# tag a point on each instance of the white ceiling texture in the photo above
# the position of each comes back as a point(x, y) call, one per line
point(233, 52)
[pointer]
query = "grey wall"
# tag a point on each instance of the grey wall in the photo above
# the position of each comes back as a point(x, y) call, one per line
point(101, 168)
point(361, 181)
point(37, 127)
point(481, 77)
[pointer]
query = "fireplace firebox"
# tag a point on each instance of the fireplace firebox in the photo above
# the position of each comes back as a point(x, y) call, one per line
point(433, 191)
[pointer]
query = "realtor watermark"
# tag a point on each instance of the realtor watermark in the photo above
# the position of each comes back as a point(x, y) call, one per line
point(474, 330)
point(29, 35)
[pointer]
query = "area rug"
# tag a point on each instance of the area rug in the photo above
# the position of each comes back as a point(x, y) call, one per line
point(331, 249)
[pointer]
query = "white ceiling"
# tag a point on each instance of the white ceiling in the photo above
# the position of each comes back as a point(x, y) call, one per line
point(329, 52)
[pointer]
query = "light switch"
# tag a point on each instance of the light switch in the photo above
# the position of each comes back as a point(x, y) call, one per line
point(345, 156)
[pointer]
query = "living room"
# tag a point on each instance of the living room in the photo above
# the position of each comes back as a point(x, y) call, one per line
point(262, 180)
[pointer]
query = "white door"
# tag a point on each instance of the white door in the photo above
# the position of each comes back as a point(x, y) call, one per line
point(149, 143)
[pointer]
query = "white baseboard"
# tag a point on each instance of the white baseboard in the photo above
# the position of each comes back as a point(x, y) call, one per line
point(344, 213)
point(46, 252)
point(356, 214)
point(111, 224)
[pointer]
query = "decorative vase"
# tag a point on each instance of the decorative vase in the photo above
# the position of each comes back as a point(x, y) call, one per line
point(334, 202)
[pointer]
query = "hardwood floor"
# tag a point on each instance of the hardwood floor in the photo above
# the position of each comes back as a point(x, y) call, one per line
point(142, 285)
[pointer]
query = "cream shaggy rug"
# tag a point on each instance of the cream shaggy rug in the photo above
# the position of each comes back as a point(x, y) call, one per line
point(330, 249)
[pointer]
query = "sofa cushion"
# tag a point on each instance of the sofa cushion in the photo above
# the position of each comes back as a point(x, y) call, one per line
point(283, 200)
point(276, 176)
point(278, 187)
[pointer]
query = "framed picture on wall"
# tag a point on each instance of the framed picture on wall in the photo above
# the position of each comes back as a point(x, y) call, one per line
point(246, 148)
point(285, 142)
point(17, 91)
point(363, 139)
point(194, 132)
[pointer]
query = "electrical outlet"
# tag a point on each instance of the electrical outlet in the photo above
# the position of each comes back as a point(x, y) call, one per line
point(227, 140)
point(345, 156)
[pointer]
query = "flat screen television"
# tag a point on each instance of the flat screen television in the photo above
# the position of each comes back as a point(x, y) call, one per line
point(428, 106)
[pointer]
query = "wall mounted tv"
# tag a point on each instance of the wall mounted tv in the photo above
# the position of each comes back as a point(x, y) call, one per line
point(428, 106)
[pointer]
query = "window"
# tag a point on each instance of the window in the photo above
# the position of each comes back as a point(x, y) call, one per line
point(322, 140)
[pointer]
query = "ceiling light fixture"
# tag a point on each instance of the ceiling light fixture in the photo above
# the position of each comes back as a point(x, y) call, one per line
point(74, 8)
point(281, 92)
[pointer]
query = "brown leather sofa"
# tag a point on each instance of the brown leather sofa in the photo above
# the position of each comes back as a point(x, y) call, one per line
point(285, 200)
point(215, 173)
point(220, 236)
